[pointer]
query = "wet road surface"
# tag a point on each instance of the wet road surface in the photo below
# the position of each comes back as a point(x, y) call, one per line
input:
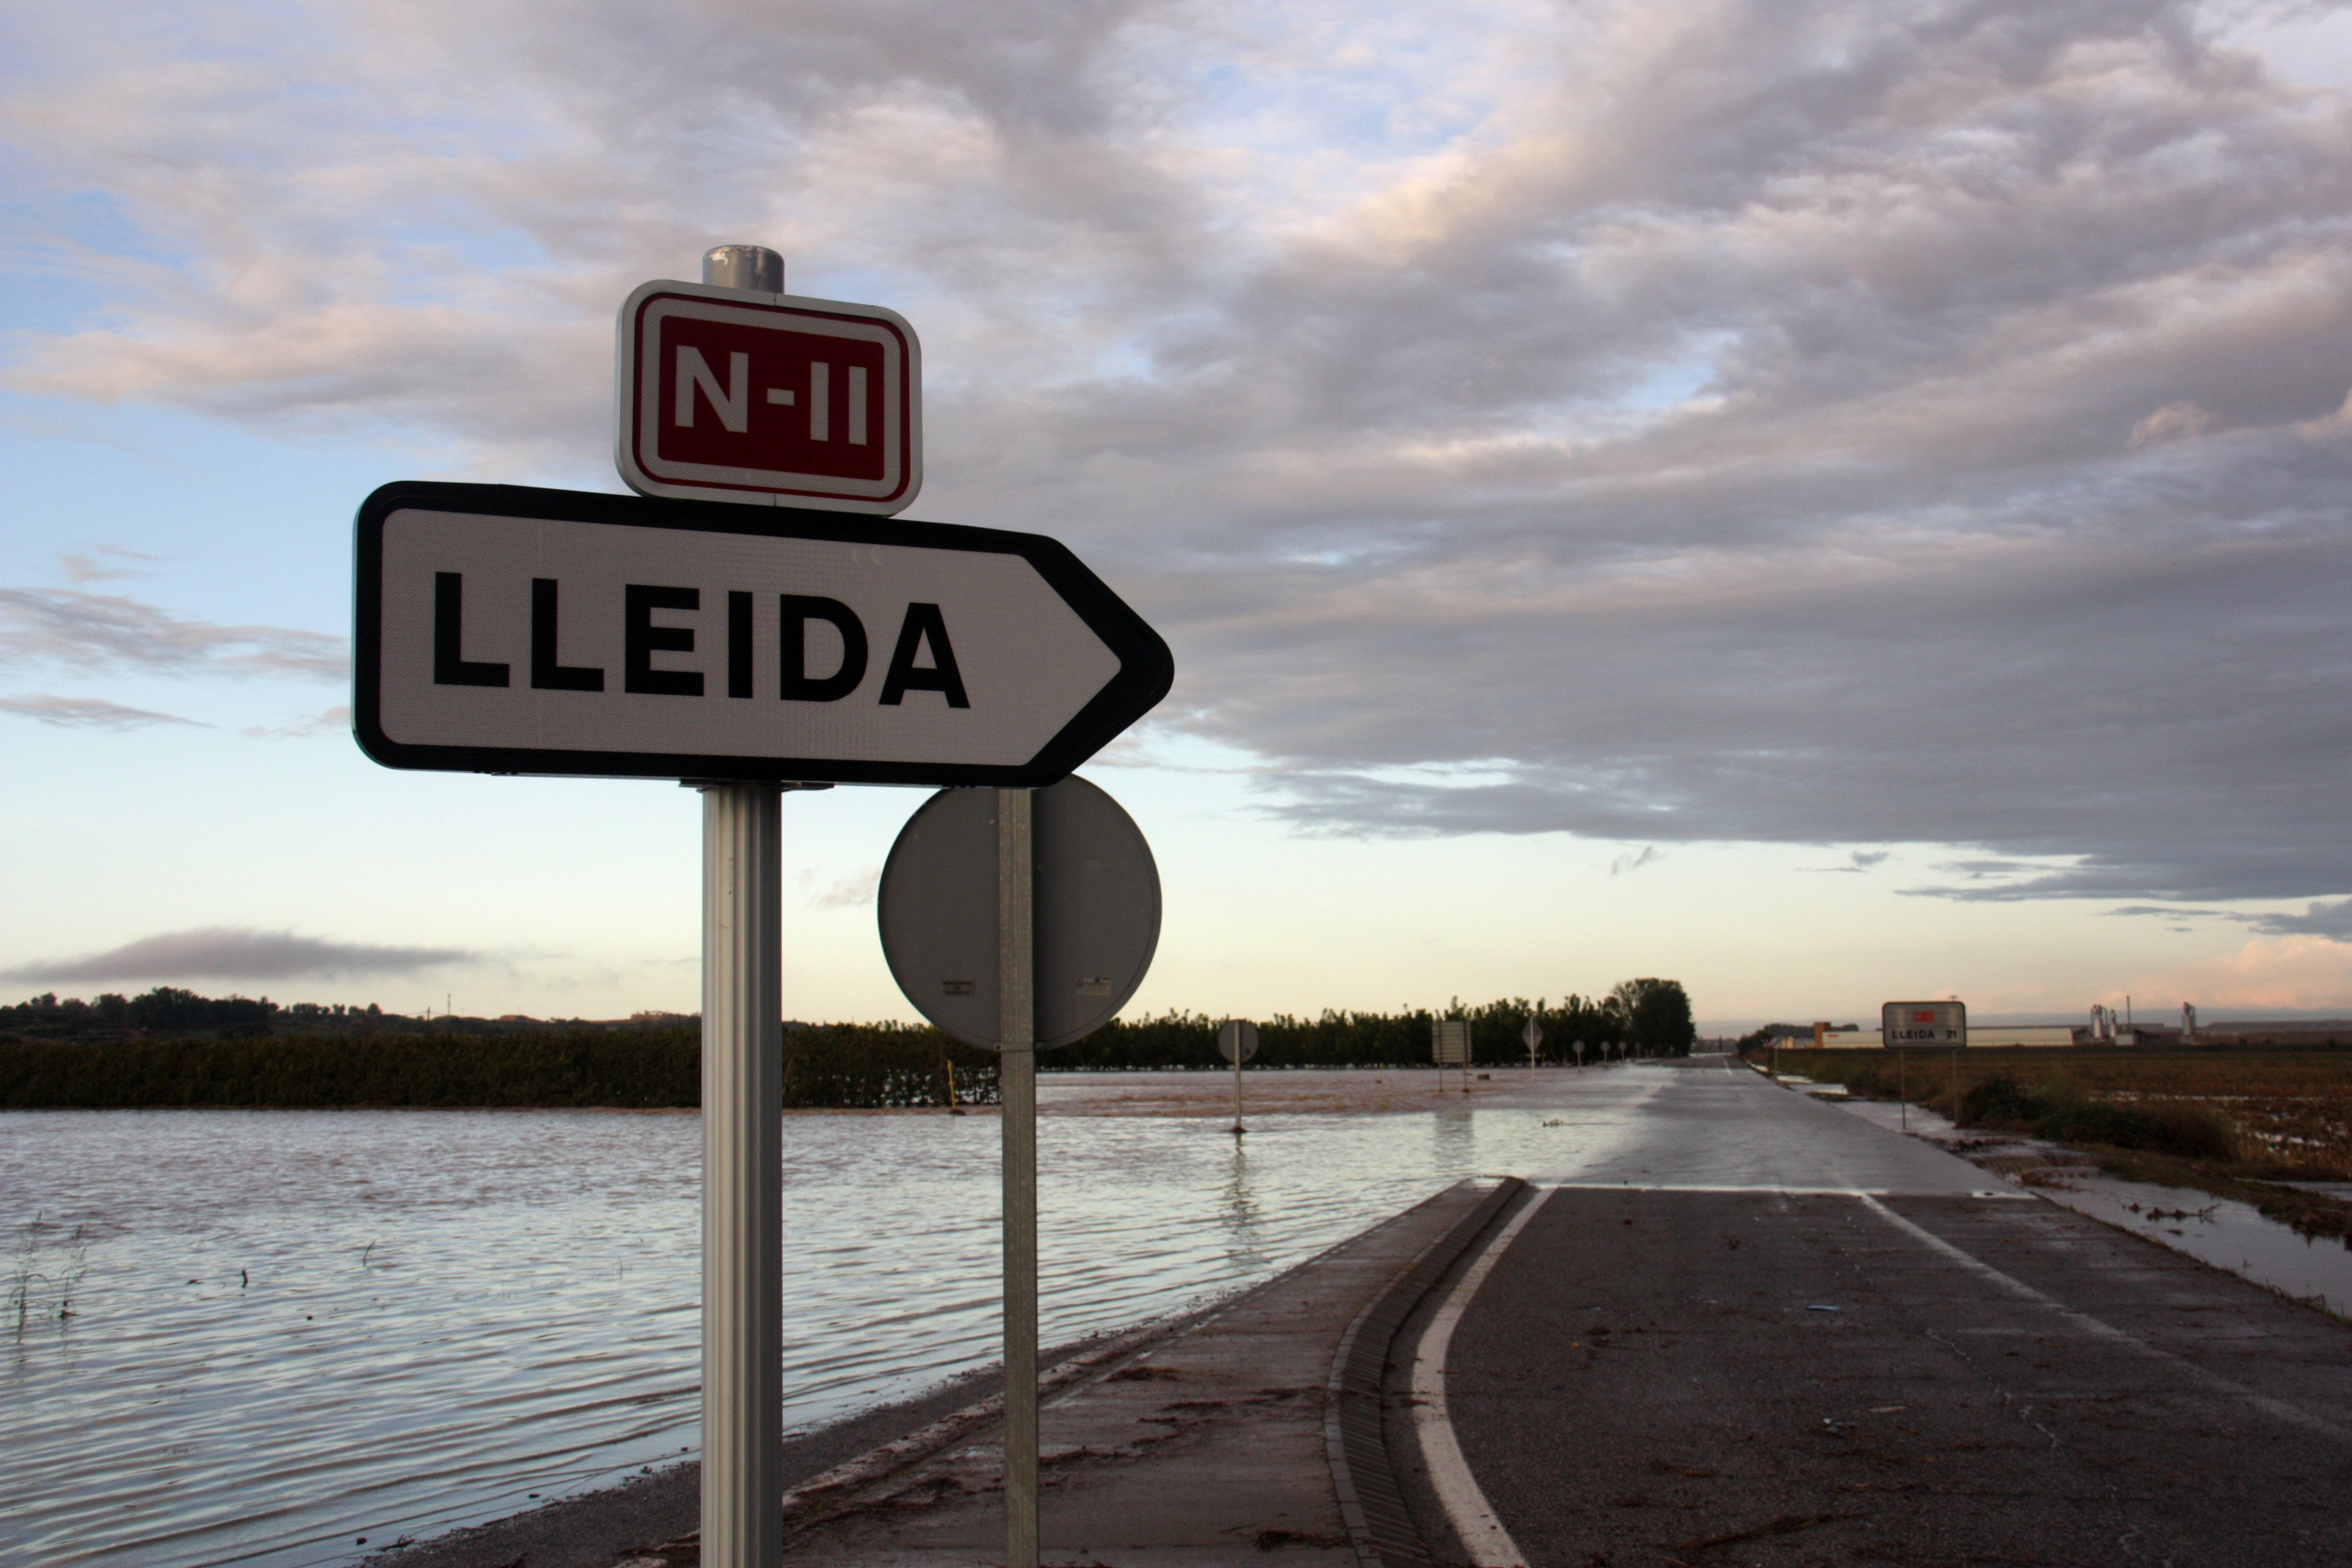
point(1750, 1328)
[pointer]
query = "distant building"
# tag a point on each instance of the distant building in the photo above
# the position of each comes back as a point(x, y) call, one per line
point(2024, 1034)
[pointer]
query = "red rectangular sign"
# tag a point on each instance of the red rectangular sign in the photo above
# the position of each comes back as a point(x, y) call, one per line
point(730, 394)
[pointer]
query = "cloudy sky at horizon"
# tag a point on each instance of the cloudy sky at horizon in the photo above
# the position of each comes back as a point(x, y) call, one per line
point(1826, 501)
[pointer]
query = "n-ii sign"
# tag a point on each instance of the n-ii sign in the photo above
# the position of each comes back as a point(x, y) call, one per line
point(777, 399)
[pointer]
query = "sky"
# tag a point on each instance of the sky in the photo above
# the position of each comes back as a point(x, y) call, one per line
point(1828, 502)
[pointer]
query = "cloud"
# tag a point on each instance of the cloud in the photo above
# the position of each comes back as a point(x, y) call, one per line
point(327, 720)
point(2287, 972)
point(98, 564)
point(87, 712)
point(2332, 920)
point(1632, 861)
point(1824, 424)
point(225, 952)
point(2173, 422)
point(1864, 859)
point(108, 631)
point(849, 892)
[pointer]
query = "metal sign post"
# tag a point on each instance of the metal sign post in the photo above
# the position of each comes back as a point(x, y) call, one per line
point(1237, 1043)
point(1534, 1035)
point(743, 1177)
point(1017, 1085)
point(1017, 920)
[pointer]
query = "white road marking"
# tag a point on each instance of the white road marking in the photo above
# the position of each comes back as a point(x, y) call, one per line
point(1481, 1535)
point(1630, 1186)
point(2278, 1409)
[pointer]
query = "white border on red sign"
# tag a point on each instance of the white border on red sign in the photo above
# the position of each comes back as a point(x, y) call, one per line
point(636, 397)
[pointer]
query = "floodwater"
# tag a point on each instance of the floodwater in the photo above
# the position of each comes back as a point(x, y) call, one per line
point(2228, 1234)
point(258, 1337)
point(2219, 1231)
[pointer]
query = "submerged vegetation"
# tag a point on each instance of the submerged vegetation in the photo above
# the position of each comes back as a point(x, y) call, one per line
point(2237, 1121)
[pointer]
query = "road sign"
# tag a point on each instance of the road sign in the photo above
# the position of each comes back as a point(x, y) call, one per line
point(1449, 1042)
point(774, 399)
point(1097, 913)
point(1902, 1024)
point(1237, 1040)
point(509, 630)
point(1533, 1035)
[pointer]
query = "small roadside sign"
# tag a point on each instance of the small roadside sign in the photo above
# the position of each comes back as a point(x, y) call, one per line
point(1449, 1042)
point(1903, 1024)
point(1534, 1035)
point(1237, 1040)
point(502, 629)
point(774, 399)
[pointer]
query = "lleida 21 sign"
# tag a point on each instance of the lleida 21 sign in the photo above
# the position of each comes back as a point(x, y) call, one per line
point(1923, 1024)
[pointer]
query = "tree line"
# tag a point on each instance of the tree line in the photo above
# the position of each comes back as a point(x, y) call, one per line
point(844, 1064)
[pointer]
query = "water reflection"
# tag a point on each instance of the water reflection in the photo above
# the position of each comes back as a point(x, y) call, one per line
point(1245, 1251)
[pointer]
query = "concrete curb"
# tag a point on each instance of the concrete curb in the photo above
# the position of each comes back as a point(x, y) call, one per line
point(1379, 1525)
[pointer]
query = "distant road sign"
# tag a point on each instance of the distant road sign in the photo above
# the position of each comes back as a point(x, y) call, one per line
point(1533, 1035)
point(1097, 911)
point(1449, 1042)
point(1237, 1040)
point(775, 399)
point(510, 630)
point(1923, 1024)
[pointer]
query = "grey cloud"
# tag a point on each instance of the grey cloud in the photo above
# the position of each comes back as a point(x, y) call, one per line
point(1864, 859)
point(1828, 424)
point(87, 712)
point(109, 631)
point(2331, 919)
point(226, 952)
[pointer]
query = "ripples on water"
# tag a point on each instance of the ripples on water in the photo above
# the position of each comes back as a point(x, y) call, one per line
point(291, 1330)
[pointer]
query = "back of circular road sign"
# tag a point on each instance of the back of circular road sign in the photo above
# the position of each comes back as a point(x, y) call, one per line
point(1237, 1040)
point(1097, 900)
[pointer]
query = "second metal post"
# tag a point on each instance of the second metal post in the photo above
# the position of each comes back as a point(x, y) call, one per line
point(1017, 1077)
point(743, 1177)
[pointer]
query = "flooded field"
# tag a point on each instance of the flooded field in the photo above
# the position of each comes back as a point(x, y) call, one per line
point(260, 1337)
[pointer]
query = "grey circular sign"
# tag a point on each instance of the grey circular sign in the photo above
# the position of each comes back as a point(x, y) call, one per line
point(1097, 900)
point(1237, 1040)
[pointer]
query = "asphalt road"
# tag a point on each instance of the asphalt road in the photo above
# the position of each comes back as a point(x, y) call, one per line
point(1750, 1328)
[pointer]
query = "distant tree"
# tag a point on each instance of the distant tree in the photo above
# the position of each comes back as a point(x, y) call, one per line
point(1657, 1014)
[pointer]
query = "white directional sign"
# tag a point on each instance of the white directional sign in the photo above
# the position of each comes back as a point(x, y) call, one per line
point(510, 630)
point(775, 399)
point(1923, 1024)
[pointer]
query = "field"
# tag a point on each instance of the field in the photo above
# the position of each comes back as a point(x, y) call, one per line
point(2231, 1119)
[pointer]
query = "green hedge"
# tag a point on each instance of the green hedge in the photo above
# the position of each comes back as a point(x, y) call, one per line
point(1344, 1039)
